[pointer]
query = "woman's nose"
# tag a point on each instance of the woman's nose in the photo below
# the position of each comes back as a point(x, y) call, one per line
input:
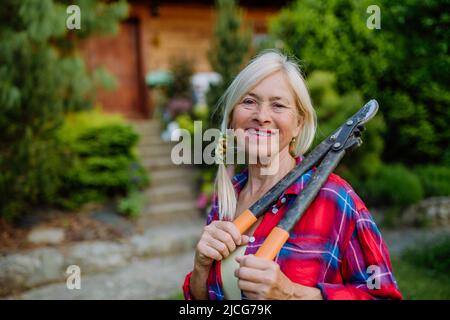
point(262, 115)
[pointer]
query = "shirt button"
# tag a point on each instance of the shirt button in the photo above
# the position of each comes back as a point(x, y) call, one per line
point(251, 239)
point(283, 200)
point(274, 210)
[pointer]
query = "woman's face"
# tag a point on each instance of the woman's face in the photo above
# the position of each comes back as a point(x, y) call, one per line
point(267, 118)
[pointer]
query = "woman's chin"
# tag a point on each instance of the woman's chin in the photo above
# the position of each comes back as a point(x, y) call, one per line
point(261, 156)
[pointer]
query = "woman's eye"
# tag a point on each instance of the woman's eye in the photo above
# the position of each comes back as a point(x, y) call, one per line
point(247, 101)
point(279, 106)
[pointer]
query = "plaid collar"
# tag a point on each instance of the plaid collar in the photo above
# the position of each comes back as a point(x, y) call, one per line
point(240, 179)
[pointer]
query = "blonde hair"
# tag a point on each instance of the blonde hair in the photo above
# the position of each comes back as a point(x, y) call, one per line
point(260, 67)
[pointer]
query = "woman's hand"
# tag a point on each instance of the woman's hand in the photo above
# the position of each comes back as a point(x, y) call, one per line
point(262, 279)
point(218, 240)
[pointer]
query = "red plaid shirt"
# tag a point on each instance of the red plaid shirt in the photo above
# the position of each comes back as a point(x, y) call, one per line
point(336, 246)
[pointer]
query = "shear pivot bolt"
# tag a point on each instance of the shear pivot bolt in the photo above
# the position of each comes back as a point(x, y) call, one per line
point(349, 122)
point(337, 145)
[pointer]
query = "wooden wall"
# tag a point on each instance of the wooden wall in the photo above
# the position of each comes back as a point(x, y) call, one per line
point(149, 42)
point(186, 30)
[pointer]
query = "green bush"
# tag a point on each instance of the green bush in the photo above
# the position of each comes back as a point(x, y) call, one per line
point(416, 283)
point(332, 110)
point(401, 65)
point(42, 76)
point(102, 159)
point(435, 180)
point(434, 256)
point(114, 139)
point(393, 185)
point(133, 204)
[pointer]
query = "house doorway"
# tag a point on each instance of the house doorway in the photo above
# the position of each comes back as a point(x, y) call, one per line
point(121, 56)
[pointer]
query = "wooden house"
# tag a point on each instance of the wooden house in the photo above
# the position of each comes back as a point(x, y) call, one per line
point(155, 33)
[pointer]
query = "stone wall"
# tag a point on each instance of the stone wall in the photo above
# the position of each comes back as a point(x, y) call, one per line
point(432, 211)
point(26, 270)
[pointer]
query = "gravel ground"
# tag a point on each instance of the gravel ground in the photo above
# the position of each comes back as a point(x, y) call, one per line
point(399, 240)
point(155, 278)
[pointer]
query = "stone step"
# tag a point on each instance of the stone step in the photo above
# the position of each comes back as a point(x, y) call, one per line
point(148, 151)
point(170, 238)
point(168, 212)
point(174, 207)
point(156, 278)
point(98, 259)
point(144, 134)
point(146, 126)
point(152, 141)
point(162, 162)
point(157, 162)
point(174, 175)
point(167, 193)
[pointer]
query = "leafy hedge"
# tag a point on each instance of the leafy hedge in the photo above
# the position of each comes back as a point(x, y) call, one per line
point(402, 65)
point(433, 256)
point(435, 180)
point(102, 161)
point(42, 76)
point(394, 185)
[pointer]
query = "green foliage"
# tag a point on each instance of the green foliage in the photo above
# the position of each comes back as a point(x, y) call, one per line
point(415, 283)
point(432, 256)
point(41, 77)
point(434, 179)
point(230, 48)
point(186, 122)
point(114, 140)
point(403, 65)
point(133, 204)
point(181, 70)
point(332, 110)
point(393, 185)
point(102, 161)
point(76, 123)
point(97, 17)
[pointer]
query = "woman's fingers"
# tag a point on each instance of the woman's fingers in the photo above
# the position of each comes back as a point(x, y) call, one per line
point(225, 232)
point(248, 274)
point(219, 246)
point(248, 286)
point(221, 237)
point(244, 239)
point(209, 252)
point(231, 229)
point(254, 262)
point(252, 296)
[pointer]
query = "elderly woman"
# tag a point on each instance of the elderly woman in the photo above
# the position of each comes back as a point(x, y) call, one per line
point(335, 251)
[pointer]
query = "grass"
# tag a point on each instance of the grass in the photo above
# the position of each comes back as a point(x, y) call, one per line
point(176, 296)
point(416, 283)
point(423, 273)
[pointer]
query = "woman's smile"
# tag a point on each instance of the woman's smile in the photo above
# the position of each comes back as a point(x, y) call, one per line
point(261, 132)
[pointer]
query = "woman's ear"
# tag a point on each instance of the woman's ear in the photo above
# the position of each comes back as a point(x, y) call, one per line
point(299, 127)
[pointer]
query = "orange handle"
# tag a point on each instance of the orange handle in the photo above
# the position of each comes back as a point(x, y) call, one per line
point(244, 221)
point(273, 244)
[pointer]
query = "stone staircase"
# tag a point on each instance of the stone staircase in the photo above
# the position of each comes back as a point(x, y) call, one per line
point(171, 194)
